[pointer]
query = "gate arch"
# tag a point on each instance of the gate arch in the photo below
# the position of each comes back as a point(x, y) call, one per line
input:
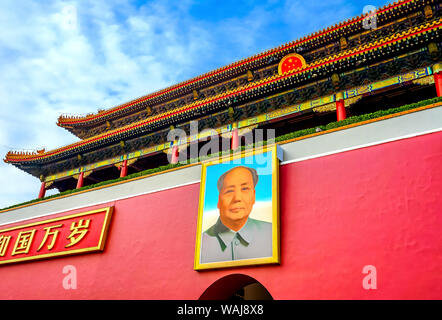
point(236, 287)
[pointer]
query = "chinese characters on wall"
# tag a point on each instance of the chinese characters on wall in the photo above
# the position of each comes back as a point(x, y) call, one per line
point(77, 233)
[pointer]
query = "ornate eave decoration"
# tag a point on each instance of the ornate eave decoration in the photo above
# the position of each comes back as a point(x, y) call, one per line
point(227, 71)
point(249, 91)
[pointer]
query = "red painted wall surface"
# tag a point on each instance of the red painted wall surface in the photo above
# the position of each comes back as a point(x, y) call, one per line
point(377, 206)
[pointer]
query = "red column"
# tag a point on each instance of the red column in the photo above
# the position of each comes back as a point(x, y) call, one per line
point(175, 154)
point(42, 192)
point(438, 83)
point(340, 110)
point(123, 172)
point(80, 180)
point(235, 139)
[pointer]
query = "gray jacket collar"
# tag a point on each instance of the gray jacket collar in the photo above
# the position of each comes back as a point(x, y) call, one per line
point(226, 236)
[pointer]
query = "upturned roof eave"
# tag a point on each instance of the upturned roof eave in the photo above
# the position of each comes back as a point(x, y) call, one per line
point(116, 133)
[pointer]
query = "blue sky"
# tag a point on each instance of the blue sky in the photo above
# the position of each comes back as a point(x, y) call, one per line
point(79, 56)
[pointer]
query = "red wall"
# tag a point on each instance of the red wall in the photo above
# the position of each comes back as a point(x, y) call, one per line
point(375, 206)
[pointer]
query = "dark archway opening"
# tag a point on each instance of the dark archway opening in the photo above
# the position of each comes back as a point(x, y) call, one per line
point(236, 287)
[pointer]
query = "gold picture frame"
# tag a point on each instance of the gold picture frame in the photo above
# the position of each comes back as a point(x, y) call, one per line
point(273, 154)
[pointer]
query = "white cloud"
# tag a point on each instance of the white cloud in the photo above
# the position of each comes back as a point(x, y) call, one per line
point(66, 57)
point(79, 56)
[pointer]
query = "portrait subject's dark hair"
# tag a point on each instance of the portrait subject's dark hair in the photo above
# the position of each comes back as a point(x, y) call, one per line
point(252, 171)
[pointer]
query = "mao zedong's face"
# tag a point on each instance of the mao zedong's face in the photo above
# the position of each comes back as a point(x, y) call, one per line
point(236, 198)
